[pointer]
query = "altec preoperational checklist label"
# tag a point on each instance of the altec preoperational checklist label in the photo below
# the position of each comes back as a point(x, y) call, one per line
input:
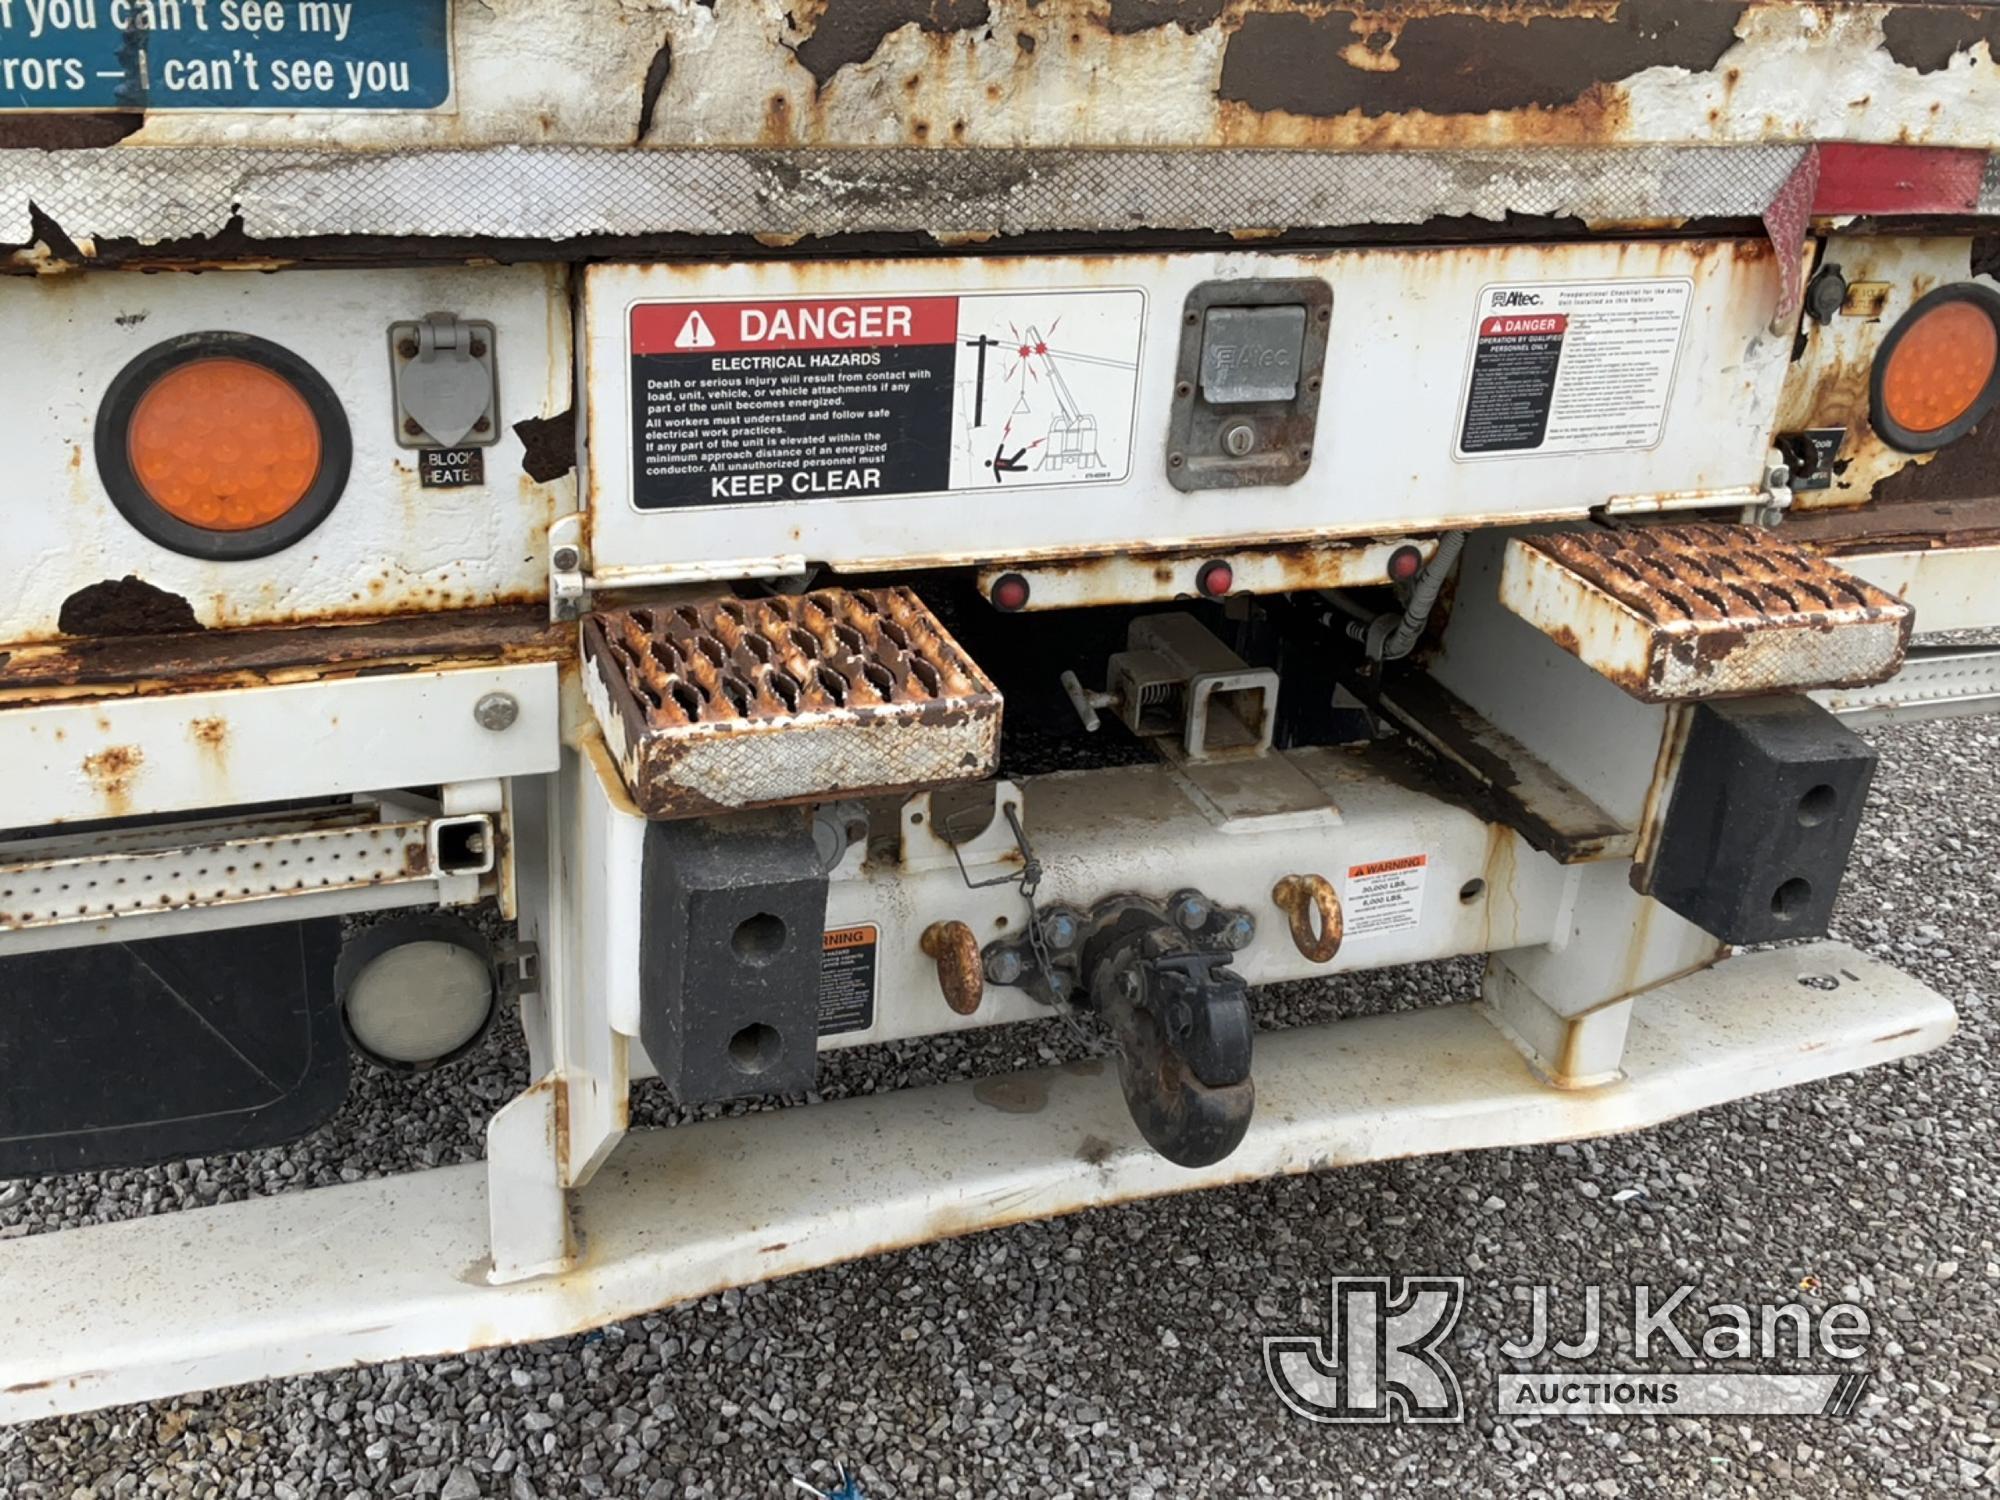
point(801, 399)
point(1571, 367)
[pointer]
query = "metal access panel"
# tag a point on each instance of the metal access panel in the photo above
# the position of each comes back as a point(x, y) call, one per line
point(401, 536)
point(748, 418)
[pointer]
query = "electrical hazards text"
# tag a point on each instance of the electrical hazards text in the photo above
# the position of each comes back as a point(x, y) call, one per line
point(849, 398)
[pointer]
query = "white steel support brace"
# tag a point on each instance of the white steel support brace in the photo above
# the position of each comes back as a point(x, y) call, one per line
point(333, 1277)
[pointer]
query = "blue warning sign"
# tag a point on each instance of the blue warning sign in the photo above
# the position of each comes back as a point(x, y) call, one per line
point(224, 54)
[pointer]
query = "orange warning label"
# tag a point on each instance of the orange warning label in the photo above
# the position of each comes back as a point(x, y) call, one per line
point(847, 979)
point(1384, 896)
point(1386, 866)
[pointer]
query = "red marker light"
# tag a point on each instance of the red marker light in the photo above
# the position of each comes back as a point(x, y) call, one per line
point(1215, 579)
point(1009, 592)
point(1405, 563)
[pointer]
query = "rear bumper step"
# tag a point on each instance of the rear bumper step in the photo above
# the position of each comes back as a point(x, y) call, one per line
point(334, 1277)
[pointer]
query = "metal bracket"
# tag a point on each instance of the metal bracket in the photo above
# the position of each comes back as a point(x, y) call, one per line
point(569, 583)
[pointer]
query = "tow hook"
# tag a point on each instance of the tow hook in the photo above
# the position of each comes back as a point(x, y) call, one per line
point(1182, 1021)
point(1158, 974)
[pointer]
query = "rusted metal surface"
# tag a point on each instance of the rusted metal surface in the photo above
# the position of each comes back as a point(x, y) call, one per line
point(942, 73)
point(390, 546)
point(1382, 464)
point(83, 879)
point(1459, 756)
point(141, 665)
point(737, 703)
point(1827, 386)
point(955, 951)
point(1313, 912)
point(203, 208)
point(1672, 613)
point(312, 1281)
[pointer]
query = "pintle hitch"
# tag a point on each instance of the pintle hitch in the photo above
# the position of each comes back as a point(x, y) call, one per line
point(1159, 975)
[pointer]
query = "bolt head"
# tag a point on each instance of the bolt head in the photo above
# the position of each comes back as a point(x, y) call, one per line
point(1005, 966)
point(496, 711)
point(1059, 929)
point(1238, 930)
point(565, 559)
point(407, 348)
point(413, 427)
point(1191, 912)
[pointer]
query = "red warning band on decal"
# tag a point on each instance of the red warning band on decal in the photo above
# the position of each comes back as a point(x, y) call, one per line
point(833, 323)
point(1512, 325)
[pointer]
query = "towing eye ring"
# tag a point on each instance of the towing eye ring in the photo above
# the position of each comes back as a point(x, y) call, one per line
point(1301, 898)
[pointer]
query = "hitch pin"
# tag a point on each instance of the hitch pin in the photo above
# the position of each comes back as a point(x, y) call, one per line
point(1085, 702)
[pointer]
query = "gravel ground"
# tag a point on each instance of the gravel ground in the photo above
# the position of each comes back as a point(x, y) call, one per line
point(1116, 1353)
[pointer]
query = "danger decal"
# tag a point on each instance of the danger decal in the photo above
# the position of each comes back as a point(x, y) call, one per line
point(806, 399)
point(1571, 367)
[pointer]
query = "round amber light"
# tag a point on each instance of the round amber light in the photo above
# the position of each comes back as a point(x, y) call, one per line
point(1940, 366)
point(224, 444)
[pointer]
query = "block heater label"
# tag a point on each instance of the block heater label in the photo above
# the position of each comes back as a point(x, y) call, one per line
point(1571, 367)
point(847, 980)
point(847, 398)
point(1384, 896)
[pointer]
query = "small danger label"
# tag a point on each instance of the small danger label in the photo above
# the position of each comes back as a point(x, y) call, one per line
point(1571, 367)
point(1384, 896)
point(847, 980)
point(842, 398)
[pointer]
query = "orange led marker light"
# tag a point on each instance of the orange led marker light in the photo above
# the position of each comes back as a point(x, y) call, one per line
point(224, 444)
point(1937, 374)
point(1939, 366)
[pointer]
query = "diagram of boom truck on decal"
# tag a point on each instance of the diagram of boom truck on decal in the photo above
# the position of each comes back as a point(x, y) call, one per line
point(996, 551)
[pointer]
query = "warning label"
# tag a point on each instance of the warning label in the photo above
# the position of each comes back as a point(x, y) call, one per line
point(846, 398)
point(1384, 896)
point(1571, 367)
point(847, 980)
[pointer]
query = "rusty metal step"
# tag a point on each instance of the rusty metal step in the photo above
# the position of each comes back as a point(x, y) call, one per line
point(1672, 613)
point(726, 704)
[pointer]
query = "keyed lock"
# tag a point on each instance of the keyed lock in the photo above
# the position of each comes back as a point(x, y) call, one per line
point(442, 369)
point(1247, 383)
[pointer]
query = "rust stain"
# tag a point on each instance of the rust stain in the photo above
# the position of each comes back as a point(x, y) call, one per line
point(1446, 60)
point(212, 736)
point(143, 665)
point(1013, 1093)
point(125, 606)
point(112, 772)
point(1927, 37)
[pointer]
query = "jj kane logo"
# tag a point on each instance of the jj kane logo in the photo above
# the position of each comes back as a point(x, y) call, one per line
point(1381, 1356)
